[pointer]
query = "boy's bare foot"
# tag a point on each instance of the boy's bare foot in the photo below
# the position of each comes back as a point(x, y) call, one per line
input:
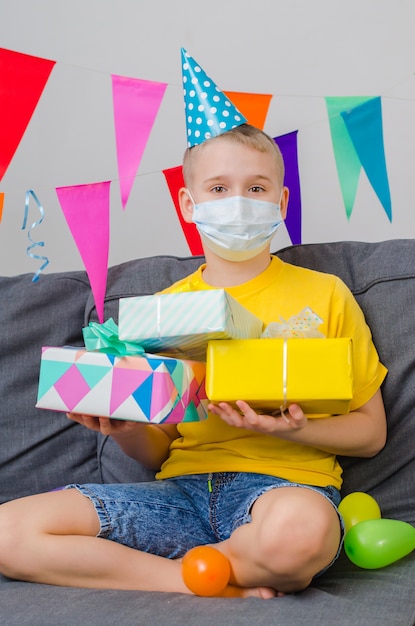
point(266, 593)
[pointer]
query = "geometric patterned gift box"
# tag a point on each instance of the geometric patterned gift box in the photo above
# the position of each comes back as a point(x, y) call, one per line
point(145, 388)
point(181, 324)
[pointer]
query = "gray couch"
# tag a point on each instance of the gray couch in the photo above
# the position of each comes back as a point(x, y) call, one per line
point(40, 450)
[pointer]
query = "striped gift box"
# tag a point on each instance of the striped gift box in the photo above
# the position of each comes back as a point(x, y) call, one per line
point(181, 324)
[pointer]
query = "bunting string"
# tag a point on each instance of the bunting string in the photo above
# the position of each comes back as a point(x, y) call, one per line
point(355, 125)
point(128, 180)
point(179, 86)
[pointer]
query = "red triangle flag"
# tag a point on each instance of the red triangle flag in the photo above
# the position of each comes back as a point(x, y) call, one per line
point(86, 210)
point(174, 179)
point(22, 80)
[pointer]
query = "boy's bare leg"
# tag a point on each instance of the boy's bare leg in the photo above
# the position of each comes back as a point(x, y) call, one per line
point(294, 534)
point(51, 538)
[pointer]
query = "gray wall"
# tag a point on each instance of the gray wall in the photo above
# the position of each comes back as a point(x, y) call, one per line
point(298, 50)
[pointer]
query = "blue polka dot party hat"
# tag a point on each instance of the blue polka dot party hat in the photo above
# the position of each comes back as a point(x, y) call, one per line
point(209, 112)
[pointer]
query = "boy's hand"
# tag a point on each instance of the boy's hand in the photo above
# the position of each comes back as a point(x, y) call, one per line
point(144, 442)
point(104, 425)
point(291, 419)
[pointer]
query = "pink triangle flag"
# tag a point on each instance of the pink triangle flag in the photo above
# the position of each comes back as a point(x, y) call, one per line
point(136, 103)
point(86, 210)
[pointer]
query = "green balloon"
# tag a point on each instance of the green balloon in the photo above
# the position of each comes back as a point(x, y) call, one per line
point(372, 544)
point(357, 507)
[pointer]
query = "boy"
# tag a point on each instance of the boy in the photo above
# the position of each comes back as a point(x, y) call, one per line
point(263, 489)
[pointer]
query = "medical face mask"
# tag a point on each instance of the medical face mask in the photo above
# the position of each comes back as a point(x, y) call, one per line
point(236, 228)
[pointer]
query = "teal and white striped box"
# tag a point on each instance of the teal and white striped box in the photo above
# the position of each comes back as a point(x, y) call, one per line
point(181, 324)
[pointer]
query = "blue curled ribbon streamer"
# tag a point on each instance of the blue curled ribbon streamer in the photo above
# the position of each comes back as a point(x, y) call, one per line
point(104, 338)
point(29, 193)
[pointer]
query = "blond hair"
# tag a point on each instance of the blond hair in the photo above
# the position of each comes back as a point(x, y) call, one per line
point(244, 134)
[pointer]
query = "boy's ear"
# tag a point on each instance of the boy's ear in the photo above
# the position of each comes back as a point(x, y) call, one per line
point(285, 194)
point(186, 205)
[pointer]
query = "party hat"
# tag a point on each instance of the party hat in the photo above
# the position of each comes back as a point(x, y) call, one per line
point(209, 112)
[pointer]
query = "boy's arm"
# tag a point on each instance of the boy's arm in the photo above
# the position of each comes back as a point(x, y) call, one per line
point(359, 433)
point(148, 444)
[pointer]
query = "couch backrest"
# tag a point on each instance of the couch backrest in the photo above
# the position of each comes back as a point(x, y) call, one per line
point(382, 278)
point(40, 449)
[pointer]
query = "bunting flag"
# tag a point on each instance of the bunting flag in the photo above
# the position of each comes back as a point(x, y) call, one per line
point(1, 205)
point(254, 107)
point(357, 137)
point(22, 80)
point(136, 103)
point(364, 125)
point(356, 132)
point(288, 146)
point(174, 179)
point(86, 210)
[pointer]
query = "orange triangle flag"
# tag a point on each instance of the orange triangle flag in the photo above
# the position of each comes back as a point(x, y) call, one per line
point(253, 105)
point(1, 204)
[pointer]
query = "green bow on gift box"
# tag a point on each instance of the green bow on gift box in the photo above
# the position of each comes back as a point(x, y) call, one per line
point(104, 338)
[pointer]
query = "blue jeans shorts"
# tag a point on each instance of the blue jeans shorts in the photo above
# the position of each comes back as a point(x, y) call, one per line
point(168, 517)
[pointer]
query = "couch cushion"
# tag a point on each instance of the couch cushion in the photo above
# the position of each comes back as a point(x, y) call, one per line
point(382, 277)
point(344, 596)
point(39, 449)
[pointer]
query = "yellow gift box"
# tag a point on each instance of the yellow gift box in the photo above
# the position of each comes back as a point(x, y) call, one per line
point(317, 374)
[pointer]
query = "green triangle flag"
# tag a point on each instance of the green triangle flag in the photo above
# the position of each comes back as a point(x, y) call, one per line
point(347, 160)
point(357, 137)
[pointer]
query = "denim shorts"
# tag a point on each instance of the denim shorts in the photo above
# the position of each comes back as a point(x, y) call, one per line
point(168, 517)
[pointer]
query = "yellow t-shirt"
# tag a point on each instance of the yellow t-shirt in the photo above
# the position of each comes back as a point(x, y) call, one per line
point(281, 291)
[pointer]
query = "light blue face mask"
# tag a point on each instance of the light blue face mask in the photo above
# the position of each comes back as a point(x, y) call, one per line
point(236, 228)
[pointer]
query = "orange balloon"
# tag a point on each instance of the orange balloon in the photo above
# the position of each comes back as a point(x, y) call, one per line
point(205, 571)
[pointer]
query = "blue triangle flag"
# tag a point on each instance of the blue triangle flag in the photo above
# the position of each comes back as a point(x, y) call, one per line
point(364, 125)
